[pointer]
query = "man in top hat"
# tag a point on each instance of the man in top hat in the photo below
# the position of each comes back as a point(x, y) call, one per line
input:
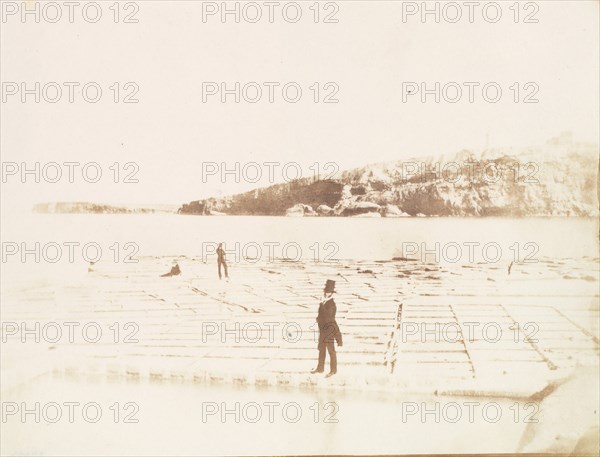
point(328, 330)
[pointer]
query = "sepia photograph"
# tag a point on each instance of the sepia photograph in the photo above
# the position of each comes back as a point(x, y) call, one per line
point(299, 228)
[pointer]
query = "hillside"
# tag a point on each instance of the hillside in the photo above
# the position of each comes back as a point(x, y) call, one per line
point(557, 179)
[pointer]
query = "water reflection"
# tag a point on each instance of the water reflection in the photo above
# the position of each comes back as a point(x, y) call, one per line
point(197, 419)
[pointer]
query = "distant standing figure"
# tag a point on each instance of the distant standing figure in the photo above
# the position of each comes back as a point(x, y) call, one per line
point(328, 330)
point(221, 260)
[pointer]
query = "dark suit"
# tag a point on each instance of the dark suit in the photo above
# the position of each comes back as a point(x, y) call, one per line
point(328, 333)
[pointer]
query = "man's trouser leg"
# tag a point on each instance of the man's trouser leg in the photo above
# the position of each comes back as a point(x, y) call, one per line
point(332, 357)
point(219, 262)
point(321, 365)
point(225, 267)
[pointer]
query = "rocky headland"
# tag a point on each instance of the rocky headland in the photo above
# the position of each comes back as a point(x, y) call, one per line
point(557, 179)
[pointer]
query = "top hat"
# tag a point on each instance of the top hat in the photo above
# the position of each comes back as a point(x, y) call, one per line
point(330, 285)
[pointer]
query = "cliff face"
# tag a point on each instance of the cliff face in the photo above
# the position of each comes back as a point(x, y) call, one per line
point(559, 179)
point(271, 201)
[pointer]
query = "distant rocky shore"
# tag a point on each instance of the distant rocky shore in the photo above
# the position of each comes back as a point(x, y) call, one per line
point(557, 179)
point(94, 208)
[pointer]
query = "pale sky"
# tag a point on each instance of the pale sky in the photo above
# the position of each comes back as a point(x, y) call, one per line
point(369, 53)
